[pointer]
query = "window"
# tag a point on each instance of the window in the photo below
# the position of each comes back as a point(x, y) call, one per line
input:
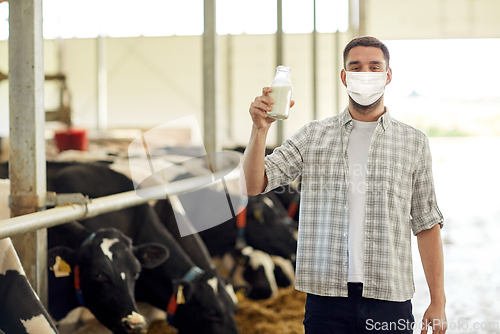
point(121, 18)
point(69, 18)
point(166, 18)
point(4, 21)
point(259, 16)
point(298, 16)
point(332, 15)
point(129, 18)
point(246, 17)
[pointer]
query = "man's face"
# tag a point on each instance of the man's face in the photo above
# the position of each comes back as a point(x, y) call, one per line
point(365, 59)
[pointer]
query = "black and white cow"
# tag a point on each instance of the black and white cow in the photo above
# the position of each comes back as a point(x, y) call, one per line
point(256, 272)
point(20, 309)
point(194, 247)
point(108, 267)
point(266, 227)
point(203, 308)
point(261, 273)
point(100, 273)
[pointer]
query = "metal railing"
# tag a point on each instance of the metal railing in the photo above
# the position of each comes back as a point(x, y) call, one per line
point(98, 206)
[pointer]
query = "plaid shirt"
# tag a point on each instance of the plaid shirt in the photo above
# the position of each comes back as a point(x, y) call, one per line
point(400, 198)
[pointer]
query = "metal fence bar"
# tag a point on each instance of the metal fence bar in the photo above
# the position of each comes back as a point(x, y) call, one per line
point(210, 79)
point(27, 142)
point(98, 206)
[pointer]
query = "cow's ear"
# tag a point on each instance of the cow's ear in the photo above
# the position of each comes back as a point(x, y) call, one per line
point(61, 260)
point(151, 255)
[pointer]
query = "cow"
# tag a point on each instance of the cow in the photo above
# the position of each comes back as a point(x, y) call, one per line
point(52, 169)
point(266, 227)
point(99, 273)
point(194, 247)
point(261, 273)
point(21, 310)
point(189, 294)
point(284, 272)
point(257, 273)
point(108, 267)
point(288, 195)
point(208, 209)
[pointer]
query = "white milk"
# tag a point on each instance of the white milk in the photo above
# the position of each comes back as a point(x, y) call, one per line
point(282, 96)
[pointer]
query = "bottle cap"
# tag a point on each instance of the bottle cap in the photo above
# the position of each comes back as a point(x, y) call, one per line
point(283, 68)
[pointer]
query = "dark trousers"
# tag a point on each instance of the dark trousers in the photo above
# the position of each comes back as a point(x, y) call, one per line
point(355, 314)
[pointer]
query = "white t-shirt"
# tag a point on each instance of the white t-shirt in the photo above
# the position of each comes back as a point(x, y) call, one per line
point(357, 152)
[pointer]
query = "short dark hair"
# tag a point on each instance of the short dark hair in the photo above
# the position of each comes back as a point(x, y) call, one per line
point(366, 41)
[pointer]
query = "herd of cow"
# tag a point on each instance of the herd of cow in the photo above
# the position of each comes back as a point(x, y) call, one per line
point(109, 262)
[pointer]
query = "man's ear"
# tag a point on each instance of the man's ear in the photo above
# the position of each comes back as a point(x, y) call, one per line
point(342, 77)
point(389, 76)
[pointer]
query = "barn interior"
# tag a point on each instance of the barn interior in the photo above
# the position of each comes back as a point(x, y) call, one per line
point(110, 80)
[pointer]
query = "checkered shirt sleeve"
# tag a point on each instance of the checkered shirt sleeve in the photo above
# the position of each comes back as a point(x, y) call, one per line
point(424, 210)
point(285, 164)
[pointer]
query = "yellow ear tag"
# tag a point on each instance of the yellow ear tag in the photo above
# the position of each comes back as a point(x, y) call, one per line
point(180, 295)
point(61, 268)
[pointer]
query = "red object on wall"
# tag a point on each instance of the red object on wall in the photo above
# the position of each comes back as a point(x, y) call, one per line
point(72, 139)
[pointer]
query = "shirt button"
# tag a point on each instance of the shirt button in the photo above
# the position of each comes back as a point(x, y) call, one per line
point(345, 234)
point(344, 263)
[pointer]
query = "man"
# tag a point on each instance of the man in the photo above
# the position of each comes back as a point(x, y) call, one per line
point(366, 185)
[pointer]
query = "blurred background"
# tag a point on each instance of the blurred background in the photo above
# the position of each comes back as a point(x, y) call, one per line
point(118, 66)
point(150, 57)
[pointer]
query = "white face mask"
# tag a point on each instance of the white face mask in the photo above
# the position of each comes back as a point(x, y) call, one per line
point(365, 87)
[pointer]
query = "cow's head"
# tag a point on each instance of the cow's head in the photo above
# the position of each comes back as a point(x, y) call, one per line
point(105, 269)
point(204, 308)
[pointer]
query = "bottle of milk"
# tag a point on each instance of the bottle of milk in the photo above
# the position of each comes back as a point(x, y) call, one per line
point(282, 93)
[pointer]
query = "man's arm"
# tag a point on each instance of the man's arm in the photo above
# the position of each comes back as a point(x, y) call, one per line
point(431, 253)
point(254, 179)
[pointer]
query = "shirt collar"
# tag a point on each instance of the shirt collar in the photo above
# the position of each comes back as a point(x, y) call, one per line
point(345, 117)
point(385, 119)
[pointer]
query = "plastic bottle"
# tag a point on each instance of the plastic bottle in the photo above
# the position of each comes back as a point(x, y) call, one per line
point(282, 93)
